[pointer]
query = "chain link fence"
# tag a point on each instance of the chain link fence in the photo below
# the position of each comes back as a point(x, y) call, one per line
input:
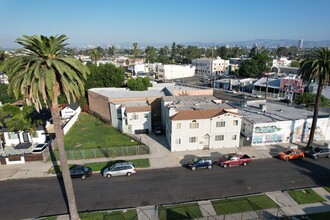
point(104, 152)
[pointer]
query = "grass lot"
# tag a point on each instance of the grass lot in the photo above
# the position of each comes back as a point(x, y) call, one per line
point(115, 215)
point(243, 204)
point(305, 196)
point(184, 211)
point(327, 188)
point(89, 132)
point(98, 166)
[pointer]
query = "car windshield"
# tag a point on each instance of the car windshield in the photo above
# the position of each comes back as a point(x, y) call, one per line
point(316, 150)
point(227, 156)
point(288, 152)
point(196, 159)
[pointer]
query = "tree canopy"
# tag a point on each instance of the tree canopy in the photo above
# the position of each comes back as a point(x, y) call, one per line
point(139, 84)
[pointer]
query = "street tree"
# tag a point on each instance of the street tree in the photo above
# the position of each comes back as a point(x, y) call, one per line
point(139, 84)
point(151, 54)
point(136, 51)
point(316, 68)
point(41, 76)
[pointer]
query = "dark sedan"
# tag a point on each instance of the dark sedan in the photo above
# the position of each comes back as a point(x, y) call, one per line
point(200, 162)
point(80, 171)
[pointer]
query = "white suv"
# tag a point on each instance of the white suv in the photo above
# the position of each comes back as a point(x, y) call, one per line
point(119, 169)
point(255, 95)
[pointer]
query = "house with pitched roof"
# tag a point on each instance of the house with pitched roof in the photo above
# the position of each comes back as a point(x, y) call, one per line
point(199, 122)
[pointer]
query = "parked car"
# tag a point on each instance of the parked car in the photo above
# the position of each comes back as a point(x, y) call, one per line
point(158, 129)
point(316, 152)
point(119, 169)
point(286, 100)
point(291, 154)
point(255, 95)
point(200, 162)
point(231, 91)
point(39, 148)
point(80, 171)
point(230, 160)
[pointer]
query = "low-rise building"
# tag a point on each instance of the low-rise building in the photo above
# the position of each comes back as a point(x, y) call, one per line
point(170, 72)
point(209, 67)
point(199, 122)
point(266, 123)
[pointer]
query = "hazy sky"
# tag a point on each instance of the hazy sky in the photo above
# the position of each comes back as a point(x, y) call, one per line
point(166, 21)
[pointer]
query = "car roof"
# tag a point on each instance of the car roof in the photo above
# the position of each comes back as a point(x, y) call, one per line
point(123, 163)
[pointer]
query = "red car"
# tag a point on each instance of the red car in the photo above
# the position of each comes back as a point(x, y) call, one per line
point(230, 160)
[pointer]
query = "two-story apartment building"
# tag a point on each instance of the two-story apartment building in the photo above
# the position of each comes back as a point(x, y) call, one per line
point(199, 122)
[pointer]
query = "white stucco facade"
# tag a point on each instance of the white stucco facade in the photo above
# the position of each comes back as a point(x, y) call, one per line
point(14, 138)
point(168, 72)
point(208, 67)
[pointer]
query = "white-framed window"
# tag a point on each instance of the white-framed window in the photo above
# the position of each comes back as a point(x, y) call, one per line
point(192, 139)
point(233, 137)
point(219, 137)
point(235, 122)
point(178, 126)
point(135, 117)
point(220, 124)
point(194, 124)
point(178, 141)
point(12, 135)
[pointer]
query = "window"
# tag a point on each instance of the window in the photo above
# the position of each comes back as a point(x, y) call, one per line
point(233, 137)
point(219, 137)
point(221, 124)
point(178, 141)
point(135, 117)
point(146, 115)
point(178, 126)
point(194, 124)
point(235, 122)
point(192, 139)
point(12, 135)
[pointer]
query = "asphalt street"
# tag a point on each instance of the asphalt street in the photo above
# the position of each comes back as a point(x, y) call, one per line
point(36, 197)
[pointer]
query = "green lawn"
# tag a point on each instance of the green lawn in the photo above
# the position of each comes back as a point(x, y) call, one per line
point(184, 211)
point(327, 188)
point(305, 196)
point(98, 166)
point(244, 204)
point(114, 215)
point(89, 132)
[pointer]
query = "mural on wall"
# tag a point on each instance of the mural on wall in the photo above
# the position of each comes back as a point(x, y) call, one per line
point(267, 129)
point(291, 85)
point(273, 133)
point(301, 133)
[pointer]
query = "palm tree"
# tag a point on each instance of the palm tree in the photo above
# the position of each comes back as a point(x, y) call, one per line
point(42, 75)
point(95, 55)
point(316, 68)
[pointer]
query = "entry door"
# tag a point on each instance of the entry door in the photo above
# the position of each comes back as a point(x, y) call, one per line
point(206, 142)
point(25, 137)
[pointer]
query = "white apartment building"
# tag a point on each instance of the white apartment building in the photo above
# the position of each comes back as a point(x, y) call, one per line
point(281, 62)
point(209, 67)
point(169, 72)
point(199, 122)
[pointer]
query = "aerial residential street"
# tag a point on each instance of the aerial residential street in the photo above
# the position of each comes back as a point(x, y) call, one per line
point(31, 198)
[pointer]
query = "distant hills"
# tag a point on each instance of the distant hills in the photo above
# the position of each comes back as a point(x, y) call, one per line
point(268, 43)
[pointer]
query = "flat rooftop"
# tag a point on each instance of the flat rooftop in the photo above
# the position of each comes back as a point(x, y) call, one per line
point(158, 90)
point(275, 112)
point(195, 102)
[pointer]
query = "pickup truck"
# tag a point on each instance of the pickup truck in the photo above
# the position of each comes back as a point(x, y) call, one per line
point(230, 160)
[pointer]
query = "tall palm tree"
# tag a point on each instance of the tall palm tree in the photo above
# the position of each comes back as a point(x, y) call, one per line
point(95, 55)
point(42, 75)
point(316, 68)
